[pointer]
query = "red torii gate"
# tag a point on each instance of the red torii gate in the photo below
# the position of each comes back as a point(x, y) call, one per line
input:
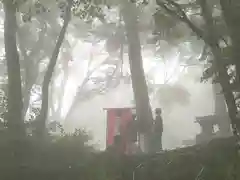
point(124, 116)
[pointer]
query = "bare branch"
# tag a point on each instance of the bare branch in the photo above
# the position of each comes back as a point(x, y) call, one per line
point(199, 174)
point(83, 84)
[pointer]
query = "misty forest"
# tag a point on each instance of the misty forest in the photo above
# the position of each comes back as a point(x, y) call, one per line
point(120, 90)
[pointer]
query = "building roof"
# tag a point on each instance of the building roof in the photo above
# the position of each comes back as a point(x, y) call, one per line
point(210, 119)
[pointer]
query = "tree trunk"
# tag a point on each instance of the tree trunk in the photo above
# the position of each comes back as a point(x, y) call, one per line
point(57, 113)
point(213, 42)
point(143, 108)
point(41, 125)
point(15, 104)
point(221, 110)
point(231, 14)
point(16, 130)
point(220, 104)
point(30, 65)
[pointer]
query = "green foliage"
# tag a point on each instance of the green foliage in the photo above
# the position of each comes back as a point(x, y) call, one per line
point(200, 162)
point(66, 158)
point(188, 14)
point(61, 154)
point(76, 142)
point(87, 10)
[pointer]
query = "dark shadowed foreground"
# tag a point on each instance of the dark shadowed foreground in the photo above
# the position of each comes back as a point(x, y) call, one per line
point(66, 161)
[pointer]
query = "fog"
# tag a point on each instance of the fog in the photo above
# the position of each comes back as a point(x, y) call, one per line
point(178, 122)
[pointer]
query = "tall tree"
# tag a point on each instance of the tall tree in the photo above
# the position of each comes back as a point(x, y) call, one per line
point(15, 123)
point(143, 108)
point(212, 38)
point(31, 60)
point(231, 15)
point(41, 127)
point(223, 77)
point(14, 116)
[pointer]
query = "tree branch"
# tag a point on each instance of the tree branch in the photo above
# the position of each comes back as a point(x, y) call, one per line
point(181, 15)
point(49, 73)
point(83, 84)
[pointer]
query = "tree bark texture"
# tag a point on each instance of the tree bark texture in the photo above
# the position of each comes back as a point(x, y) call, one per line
point(15, 104)
point(213, 42)
point(41, 125)
point(139, 85)
point(15, 122)
point(231, 14)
